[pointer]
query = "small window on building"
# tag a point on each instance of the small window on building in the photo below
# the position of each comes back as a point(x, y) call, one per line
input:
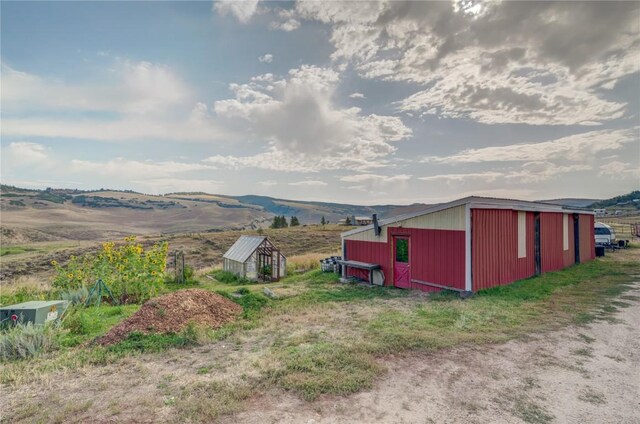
point(522, 234)
point(402, 250)
point(565, 232)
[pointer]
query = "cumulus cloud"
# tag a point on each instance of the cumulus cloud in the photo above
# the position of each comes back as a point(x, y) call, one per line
point(242, 10)
point(267, 58)
point(305, 128)
point(357, 96)
point(287, 21)
point(539, 63)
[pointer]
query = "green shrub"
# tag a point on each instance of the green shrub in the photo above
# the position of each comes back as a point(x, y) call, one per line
point(27, 340)
point(251, 302)
point(133, 274)
point(75, 296)
point(228, 277)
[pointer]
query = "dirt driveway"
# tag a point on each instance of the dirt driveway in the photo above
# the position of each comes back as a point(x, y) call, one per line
point(588, 374)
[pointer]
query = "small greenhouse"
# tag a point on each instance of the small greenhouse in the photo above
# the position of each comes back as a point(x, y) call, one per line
point(255, 258)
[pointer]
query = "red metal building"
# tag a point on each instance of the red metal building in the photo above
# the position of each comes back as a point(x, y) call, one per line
point(471, 244)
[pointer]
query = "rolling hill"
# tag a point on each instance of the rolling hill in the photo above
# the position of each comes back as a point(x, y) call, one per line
point(61, 214)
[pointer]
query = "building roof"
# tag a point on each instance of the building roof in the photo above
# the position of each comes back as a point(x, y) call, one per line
point(243, 248)
point(476, 202)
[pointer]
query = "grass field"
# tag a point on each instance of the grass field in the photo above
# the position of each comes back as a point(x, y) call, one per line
point(621, 225)
point(318, 337)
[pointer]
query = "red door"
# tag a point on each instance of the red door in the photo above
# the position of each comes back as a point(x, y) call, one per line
point(401, 267)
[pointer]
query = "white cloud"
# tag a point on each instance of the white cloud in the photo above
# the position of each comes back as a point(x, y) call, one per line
point(134, 88)
point(309, 183)
point(243, 10)
point(375, 183)
point(375, 178)
point(530, 172)
point(146, 101)
point(357, 96)
point(287, 22)
point(122, 168)
point(26, 153)
point(572, 148)
point(268, 183)
point(618, 170)
point(306, 130)
point(539, 63)
point(267, 58)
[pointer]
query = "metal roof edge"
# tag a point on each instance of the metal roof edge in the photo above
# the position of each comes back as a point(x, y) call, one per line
point(474, 201)
point(397, 218)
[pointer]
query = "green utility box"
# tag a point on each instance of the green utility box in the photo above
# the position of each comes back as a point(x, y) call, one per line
point(37, 312)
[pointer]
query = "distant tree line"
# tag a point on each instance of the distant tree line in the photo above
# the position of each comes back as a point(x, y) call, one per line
point(281, 222)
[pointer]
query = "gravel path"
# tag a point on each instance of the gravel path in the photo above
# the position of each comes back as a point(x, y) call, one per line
point(588, 374)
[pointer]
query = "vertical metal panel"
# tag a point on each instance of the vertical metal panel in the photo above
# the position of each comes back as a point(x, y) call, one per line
point(551, 241)
point(587, 241)
point(568, 256)
point(437, 256)
point(494, 247)
point(370, 252)
point(526, 267)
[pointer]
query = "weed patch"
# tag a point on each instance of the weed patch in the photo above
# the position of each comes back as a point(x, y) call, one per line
point(591, 396)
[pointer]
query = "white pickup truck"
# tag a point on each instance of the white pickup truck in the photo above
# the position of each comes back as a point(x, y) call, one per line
point(604, 234)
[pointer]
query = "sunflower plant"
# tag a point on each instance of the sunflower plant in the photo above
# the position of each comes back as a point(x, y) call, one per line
point(132, 273)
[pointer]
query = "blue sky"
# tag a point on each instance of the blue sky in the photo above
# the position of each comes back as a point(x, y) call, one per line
point(361, 102)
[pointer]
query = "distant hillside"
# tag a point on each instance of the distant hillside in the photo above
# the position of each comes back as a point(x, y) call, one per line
point(630, 199)
point(64, 214)
point(312, 212)
point(572, 202)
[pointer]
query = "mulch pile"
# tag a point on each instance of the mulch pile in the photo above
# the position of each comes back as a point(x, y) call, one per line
point(173, 312)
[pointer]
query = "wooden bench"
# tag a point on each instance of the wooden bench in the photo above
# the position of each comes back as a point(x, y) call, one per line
point(359, 265)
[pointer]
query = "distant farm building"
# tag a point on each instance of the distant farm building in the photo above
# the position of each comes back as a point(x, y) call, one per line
point(255, 258)
point(356, 221)
point(469, 244)
point(600, 212)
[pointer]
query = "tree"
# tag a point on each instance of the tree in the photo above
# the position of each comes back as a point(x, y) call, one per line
point(348, 221)
point(279, 222)
point(323, 221)
point(294, 221)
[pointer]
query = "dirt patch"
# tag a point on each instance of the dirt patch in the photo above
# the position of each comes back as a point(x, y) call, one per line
point(580, 374)
point(173, 312)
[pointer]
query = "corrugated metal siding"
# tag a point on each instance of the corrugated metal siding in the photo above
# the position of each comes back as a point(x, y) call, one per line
point(370, 252)
point(587, 241)
point(569, 256)
point(526, 267)
point(494, 247)
point(552, 255)
point(437, 256)
point(447, 219)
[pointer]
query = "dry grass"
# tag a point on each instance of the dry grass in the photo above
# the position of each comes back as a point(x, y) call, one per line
point(24, 288)
point(306, 262)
